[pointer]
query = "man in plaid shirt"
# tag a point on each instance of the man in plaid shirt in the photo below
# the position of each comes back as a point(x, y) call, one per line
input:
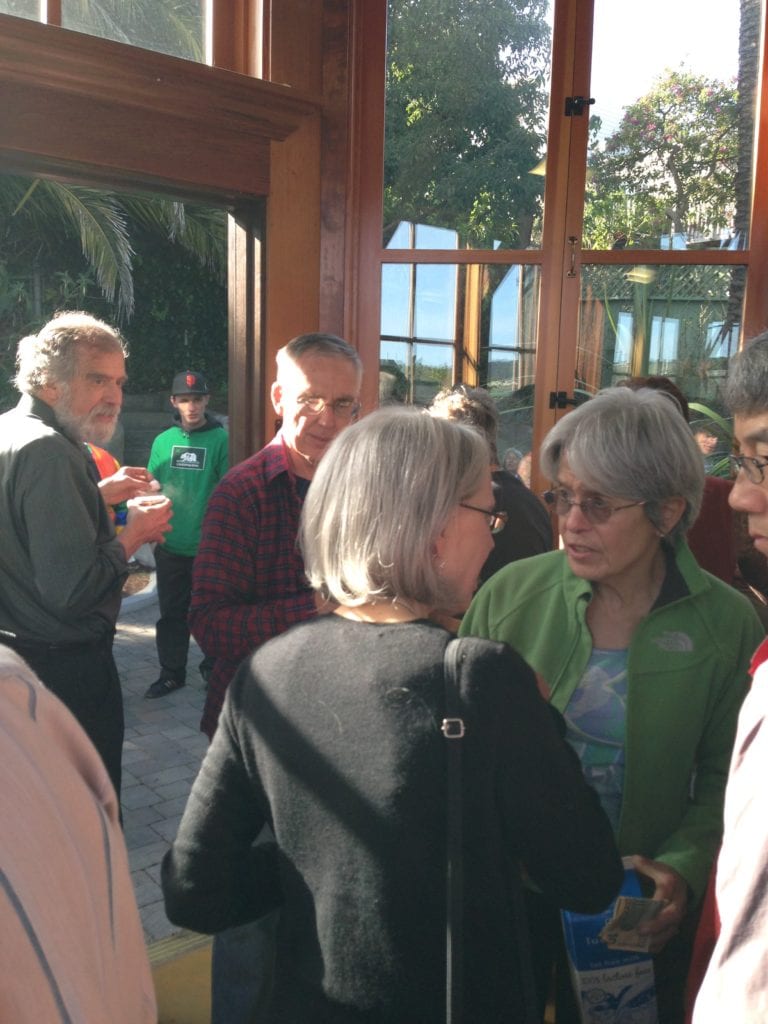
point(249, 585)
point(249, 582)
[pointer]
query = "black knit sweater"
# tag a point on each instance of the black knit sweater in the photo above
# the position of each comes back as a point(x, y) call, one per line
point(331, 734)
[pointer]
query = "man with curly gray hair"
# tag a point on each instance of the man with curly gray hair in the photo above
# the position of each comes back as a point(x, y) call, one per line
point(62, 566)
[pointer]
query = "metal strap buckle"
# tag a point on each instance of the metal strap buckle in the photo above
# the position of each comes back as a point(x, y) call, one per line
point(453, 728)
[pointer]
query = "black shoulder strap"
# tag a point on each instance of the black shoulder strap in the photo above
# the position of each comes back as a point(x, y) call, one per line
point(453, 729)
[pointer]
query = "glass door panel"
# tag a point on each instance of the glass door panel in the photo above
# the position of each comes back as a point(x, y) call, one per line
point(669, 171)
point(467, 93)
point(634, 216)
point(680, 322)
point(672, 124)
point(474, 322)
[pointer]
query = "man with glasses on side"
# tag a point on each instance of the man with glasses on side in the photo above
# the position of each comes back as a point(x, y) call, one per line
point(736, 983)
point(522, 527)
point(249, 584)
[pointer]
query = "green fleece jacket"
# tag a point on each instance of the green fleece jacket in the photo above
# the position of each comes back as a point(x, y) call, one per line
point(687, 676)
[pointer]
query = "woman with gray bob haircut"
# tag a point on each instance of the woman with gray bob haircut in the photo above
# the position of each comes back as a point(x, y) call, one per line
point(357, 550)
point(331, 733)
point(644, 653)
point(631, 444)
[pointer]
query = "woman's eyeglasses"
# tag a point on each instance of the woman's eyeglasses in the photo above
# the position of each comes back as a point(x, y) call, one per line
point(754, 469)
point(595, 510)
point(496, 520)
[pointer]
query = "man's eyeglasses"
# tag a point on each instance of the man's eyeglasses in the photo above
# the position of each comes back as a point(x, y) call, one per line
point(496, 520)
point(754, 469)
point(344, 408)
point(595, 510)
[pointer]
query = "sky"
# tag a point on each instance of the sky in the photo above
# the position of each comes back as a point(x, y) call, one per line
point(633, 44)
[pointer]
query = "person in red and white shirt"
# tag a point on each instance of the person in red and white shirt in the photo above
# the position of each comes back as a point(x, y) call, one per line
point(735, 987)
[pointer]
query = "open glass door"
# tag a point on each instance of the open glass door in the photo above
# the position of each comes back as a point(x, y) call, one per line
point(567, 200)
point(466, 113)
point(657, 235)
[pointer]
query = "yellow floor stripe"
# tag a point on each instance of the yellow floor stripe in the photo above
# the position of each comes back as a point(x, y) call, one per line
point(181, 971)
point(175, 946)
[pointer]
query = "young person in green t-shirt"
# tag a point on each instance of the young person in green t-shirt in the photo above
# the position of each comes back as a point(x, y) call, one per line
point(188, 460)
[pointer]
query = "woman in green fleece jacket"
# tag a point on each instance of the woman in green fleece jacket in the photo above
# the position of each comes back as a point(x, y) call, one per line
point(644, 653)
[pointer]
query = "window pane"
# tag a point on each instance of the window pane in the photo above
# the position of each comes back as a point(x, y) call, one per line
point(412, 372)
point(175, 27)
point(21, 8)
point(435, 307)
point(466, 114)
point(671, 128)
point(679, 322)
point(492, 314)
point(508, 360)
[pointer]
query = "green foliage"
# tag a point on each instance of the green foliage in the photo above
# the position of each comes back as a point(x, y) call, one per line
point(670, 166)
point(725, 425)
point(41, 274)
point(38, 216)
point(180, 320)
point(68, 247)
point(465, 116)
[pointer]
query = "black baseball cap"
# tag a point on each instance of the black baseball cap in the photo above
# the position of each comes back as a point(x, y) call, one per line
point(188, 382)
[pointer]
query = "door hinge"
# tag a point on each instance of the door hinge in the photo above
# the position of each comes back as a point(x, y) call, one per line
point(561, 400)
point(574, 105)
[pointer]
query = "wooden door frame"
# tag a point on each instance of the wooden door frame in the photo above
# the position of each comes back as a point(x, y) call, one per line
point(106, 115)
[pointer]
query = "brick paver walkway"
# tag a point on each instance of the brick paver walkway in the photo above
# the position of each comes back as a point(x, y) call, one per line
point(161, 756)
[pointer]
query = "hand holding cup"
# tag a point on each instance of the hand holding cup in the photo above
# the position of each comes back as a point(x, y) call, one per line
point(149, 517)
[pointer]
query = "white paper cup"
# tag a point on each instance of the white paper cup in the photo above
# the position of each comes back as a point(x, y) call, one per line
point(148, 500)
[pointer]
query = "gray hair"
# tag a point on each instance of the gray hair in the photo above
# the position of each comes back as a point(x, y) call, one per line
point(746, 389)
point(50, 356)
point(469, 405)
point(381, 496)
point(321, 344)
point(631, 444)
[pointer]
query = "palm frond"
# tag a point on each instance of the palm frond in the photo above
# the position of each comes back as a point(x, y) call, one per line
point(710, 414)
point(100, 223)
point(199, 230)
point(34, 212)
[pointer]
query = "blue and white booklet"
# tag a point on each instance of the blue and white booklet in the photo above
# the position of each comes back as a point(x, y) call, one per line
point(611, 968)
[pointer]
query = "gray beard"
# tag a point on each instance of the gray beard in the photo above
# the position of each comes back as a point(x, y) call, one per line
point(81, 427)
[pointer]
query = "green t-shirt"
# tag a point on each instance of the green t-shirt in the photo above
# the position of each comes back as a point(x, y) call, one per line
point(188, 467)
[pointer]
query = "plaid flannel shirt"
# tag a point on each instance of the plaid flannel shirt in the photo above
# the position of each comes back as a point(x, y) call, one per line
point(248, 579)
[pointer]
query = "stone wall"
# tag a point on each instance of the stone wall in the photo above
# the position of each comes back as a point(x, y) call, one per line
point(143, 417)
